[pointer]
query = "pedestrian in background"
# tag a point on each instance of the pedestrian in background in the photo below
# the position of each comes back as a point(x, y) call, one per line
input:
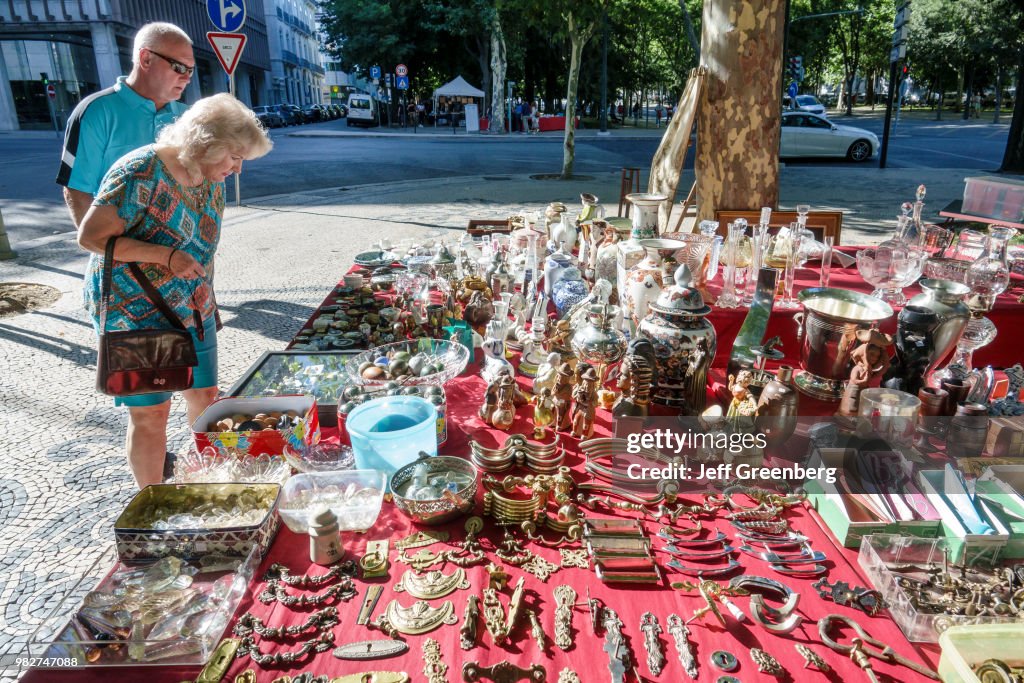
point(165, 202)
point(112, 122)
point(517, 118)
point(976, 105)
point(659, 110)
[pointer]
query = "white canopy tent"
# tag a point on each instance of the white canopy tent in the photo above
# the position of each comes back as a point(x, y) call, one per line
point(457, 87)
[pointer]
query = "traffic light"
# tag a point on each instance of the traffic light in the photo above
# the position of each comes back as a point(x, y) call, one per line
point(795, 68)
point(44, 77)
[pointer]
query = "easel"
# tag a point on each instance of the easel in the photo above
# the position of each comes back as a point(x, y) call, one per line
point(667, 165)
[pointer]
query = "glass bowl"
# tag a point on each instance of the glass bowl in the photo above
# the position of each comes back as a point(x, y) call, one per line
point(452, 357)
point(321, 457)
point(354, 496)
point(889, 268)
point(946, 269)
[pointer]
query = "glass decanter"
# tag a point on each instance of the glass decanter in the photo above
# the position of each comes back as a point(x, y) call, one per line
point(988, 277)
point(728, 297)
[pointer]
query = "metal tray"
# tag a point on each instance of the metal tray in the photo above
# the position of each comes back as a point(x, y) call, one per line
point(320, 374)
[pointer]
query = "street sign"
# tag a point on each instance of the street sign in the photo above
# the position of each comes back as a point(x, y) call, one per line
point(228, 48)
point(898, 52)
point(792, 89)
point(375, 72)
point(401, 70)
point(902, 15)
point(901, 34)
point(402, 82)
point(227, 15)
point(51, 92)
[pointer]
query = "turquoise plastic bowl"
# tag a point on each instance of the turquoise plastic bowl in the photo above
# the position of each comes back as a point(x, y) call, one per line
point(388, 433)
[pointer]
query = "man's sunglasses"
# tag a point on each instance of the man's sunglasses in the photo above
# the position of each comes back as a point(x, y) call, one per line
point(176, 66)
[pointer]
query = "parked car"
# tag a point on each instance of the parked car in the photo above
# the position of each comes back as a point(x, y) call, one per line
point(810, 104)
point(291, 114)
point(270, 117)
point(314, 112)
point(342, 110)
point(809, 135)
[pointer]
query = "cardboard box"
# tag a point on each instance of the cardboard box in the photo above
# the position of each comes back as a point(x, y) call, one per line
point(833, 508)
point(963, 546)
point(269, 441)
point(1005, 437)
point(994, 197)
point(1000, 485)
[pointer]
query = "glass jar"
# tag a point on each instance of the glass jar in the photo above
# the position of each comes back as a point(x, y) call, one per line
point(989, 276)
point(970, 244)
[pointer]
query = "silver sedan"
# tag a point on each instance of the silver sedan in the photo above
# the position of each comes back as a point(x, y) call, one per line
point(808, 135)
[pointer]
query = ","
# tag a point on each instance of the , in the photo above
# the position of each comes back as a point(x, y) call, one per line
point(808, 135)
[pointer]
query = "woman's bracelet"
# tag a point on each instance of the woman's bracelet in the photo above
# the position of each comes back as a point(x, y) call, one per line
point(173, 249)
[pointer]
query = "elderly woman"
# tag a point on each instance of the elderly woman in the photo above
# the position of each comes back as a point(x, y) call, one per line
point(165, 202)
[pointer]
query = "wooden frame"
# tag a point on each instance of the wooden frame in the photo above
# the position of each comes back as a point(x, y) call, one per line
point(821, 223)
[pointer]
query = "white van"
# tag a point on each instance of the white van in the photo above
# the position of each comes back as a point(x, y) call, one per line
point(362, 110)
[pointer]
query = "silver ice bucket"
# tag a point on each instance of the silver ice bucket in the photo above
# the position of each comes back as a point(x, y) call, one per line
point(827, 330)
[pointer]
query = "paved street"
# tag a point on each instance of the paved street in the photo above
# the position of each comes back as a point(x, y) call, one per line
point(324, 200)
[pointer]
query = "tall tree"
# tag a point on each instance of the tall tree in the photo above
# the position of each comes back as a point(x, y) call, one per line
point(580, 20)
point(496, 123)
point(1013, 157)
point(847, 36)
point(737, 162)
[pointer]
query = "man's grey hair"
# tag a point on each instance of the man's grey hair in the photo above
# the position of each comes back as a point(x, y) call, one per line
point(155, 34)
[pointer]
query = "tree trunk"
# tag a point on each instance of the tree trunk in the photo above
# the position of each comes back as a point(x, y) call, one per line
point(942, 97)
point(737, 162)
point(1013, 159)
point(578, 37)
point(484, 59)
point(497, 121)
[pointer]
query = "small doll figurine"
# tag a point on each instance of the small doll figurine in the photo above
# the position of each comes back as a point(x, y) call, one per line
point(543, 412)
point(637, 374)
point(478, 311)
point(563, 397)
point(743, 407)
point(547, 373)
point(494, 353)
point(504, 412)
point(584, 396)
point(870, 363)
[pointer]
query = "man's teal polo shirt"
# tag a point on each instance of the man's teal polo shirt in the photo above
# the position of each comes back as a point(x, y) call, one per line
point(103, 128)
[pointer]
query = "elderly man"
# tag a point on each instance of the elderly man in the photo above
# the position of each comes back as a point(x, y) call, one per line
point(112, 122)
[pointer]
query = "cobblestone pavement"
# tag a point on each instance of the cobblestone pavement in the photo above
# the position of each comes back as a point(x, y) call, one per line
point(64, 479)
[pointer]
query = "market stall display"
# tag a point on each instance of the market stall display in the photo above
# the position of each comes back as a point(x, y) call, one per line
point(619, 483)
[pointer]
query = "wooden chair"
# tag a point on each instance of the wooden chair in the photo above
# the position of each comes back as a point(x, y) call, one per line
point(820, 223)
point(628, 183)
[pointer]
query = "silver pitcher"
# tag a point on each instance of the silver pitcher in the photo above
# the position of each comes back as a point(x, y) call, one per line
point(827, 329)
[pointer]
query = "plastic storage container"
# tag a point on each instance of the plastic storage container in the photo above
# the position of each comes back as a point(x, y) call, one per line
point(993, 197)
point(879, 551)
point(354, 496)
point(390, 432)
point(964, 647)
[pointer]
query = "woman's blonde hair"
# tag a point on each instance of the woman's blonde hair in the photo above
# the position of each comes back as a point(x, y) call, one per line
point(212, 126)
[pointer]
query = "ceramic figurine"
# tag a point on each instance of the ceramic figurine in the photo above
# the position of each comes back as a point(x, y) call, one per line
point(637, 375)
point(547, 373)
point(870, 363)
point(743, 407)
point(584, 396)
point(479, 311)
point(563, 398)
point(543, 412)
point(494, 353)
point(604, 263)
point(558, 339)
point(504, 412)
point(471, 284)
point(777, 408)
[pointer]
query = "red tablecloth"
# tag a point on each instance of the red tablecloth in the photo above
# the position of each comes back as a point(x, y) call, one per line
point(1002, 352)
point(586, 656)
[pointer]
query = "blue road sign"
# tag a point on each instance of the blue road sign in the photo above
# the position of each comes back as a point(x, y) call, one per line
point(402, 82)
point(792, 89)
point(374, 72)
point(227, 15)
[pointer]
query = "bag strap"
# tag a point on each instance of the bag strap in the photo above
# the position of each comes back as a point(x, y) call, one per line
point(147, 286)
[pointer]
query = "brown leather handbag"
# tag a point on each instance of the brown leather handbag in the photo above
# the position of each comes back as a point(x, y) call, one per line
point(143, 361)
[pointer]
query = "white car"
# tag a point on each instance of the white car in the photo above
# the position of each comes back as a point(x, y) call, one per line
point(808, 135)
point(810, 103)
